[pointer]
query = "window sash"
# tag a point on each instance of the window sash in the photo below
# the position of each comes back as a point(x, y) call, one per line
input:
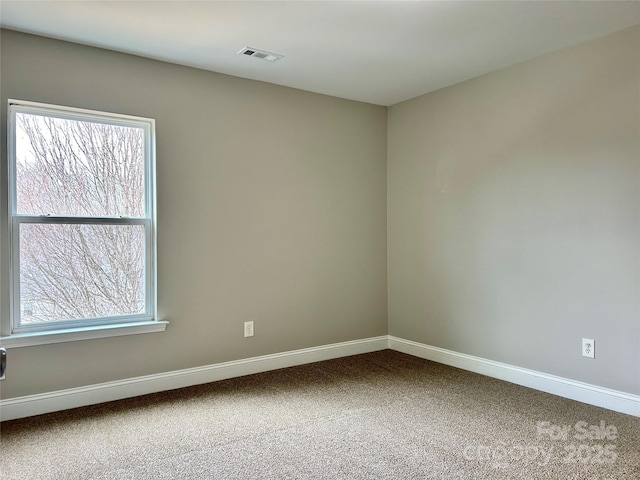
point(148, 221)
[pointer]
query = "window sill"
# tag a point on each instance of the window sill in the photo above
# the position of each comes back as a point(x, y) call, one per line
point(84, 333)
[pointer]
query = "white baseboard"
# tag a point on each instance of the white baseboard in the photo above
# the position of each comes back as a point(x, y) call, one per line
point(30, 405)
point(563, 387)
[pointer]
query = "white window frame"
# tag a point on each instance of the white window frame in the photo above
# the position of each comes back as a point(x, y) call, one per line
point(69, 330)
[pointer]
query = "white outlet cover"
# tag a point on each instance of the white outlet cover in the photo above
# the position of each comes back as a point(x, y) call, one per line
point(588, 348)
point(248, 329)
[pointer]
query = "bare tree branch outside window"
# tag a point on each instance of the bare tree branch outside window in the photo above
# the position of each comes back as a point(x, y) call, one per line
point(74, 168)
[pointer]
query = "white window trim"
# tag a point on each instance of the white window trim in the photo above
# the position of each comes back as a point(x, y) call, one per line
point(81, 333)
point(27, 335)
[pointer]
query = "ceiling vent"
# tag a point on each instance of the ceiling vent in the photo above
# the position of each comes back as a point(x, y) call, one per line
point(261, 54)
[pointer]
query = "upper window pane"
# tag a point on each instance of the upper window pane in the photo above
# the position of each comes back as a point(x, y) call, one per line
point(78, 168)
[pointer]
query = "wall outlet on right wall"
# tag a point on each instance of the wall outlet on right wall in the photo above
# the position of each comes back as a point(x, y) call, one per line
point(588, 348)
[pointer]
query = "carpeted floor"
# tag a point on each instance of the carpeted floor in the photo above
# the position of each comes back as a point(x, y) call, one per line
point(383, 415)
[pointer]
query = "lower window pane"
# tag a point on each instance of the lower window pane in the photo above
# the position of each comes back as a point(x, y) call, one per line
point(76, 272)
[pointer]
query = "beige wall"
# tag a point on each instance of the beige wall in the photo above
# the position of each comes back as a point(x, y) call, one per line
point(271, 208)
point(513, 214)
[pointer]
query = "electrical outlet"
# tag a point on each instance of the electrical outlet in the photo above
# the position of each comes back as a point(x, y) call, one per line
point(248, 329)
point(588, 348)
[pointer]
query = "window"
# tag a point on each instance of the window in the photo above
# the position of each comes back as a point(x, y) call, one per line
point(81, 212)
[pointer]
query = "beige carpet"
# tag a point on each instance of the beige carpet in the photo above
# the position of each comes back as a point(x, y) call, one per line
point(382, 415)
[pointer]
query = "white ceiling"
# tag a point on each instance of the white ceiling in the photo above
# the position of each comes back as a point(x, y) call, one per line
point(379, 52)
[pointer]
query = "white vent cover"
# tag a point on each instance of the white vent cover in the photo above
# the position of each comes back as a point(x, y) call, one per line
point(254, 52)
